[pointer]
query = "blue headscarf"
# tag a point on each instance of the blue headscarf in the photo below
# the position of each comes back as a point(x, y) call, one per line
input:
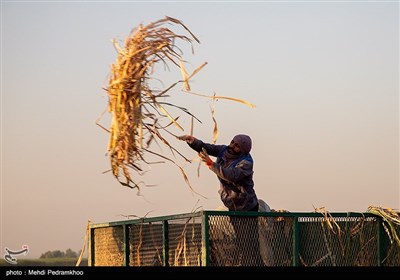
point(244, 142)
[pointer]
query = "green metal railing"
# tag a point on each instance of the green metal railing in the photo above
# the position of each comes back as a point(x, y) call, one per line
point(224, 238)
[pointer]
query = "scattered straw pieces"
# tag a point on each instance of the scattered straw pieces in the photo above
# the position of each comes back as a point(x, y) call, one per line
point(138, 110)
point(135, 107)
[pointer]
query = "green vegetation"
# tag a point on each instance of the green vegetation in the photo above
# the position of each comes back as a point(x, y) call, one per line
point(59, 254)
point(51, 258)
point(46, 262)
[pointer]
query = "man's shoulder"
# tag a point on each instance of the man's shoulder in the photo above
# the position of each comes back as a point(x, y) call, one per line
point(244, 163)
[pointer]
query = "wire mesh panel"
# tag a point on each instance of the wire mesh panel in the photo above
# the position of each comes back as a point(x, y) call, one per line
point(250, 241)
point(276, 238)
point(146, 244)
point(339, 241)
point(108, 246)
point(185, 242)
point(391, 256)
point(222, 249)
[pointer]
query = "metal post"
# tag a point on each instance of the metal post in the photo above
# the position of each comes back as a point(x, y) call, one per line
point(126, 245)
point(205, 235)
point(165, 259)
point(91, 248)
point(380, 242)
point(296, 257)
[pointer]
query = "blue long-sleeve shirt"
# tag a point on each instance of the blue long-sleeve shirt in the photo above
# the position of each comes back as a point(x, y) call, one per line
point(236, 180)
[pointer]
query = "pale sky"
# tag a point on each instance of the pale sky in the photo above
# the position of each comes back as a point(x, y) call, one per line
point(324, 77)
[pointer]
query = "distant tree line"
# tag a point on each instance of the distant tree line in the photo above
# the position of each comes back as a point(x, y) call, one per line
point(60, 254)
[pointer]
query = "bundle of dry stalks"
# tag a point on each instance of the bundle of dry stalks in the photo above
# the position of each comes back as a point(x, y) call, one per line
point(391, 218)
point(137, 109)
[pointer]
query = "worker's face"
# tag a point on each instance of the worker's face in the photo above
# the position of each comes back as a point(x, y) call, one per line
point(234, 148)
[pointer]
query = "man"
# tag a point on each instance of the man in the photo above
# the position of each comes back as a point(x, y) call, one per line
point(234, 170)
